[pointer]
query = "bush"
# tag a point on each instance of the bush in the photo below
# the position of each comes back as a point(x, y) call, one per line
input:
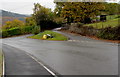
point(11, 32)
point(83, 30)
point(43, 17)
point(27, 29)
point(118, 16)
point(4, 33)
point(80, 24)
point(17, 31)
point(13, 24)
point(30, 21)
point(36, 30)
point(110, 33)
point(14, 31)
point(59, 20)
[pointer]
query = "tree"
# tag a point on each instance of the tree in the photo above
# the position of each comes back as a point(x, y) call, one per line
point(30, 21)
point(112, 6)
point(58, 9)
point(43, 16)
point(79, 11)
point(12, 24)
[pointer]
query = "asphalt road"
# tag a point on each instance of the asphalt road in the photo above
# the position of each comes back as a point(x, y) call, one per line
point(78, 56)
point(17, 62)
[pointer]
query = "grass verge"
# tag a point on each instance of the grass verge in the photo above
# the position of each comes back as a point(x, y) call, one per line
point(56, 36)
point(109, 23)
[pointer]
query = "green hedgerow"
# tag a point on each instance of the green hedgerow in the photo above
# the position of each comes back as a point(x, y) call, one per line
point(36, 30)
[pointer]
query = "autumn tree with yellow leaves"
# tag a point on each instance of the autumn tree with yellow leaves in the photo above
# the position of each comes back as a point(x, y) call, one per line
point(78, 11)
point(13, 24)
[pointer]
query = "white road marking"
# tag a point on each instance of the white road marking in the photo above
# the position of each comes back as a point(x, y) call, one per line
point(42, 65)
point(3, 64)
point(93, 42)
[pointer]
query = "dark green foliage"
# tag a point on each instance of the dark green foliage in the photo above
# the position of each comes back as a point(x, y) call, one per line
point(110, 33)
point(43, 17)
point(11, 32)
point(27, 29)
point(16, 31)
point(48, 25)
point(118, 16)
point(4, 33)
point(36, 30)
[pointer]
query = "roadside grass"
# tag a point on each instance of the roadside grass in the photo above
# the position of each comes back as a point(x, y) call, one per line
point(109, 23)
point(56, 36)
point(0, 62)
point(111, 17)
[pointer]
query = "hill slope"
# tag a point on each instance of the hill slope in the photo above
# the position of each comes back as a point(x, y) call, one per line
point(11, 14)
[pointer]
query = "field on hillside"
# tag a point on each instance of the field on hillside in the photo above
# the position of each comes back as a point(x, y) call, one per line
point(5, 19)
point(108, 23)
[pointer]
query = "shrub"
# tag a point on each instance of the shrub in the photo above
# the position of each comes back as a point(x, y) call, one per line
point(11, 32)
point(80, 24)
point(17, 31)
point(12, 24)
point(14, 31)
point(59, 20)
point(83, 30)
point(43, 16)
point(26, 29)
point(4, 33)
point(30, 21)
point(36, 30)
point(110, 33)
point(118, 16)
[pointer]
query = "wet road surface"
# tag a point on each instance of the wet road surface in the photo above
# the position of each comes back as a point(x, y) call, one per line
point(17, 62)
point(82, 57)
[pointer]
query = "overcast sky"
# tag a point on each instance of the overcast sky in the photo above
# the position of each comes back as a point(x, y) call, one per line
point(26, 6)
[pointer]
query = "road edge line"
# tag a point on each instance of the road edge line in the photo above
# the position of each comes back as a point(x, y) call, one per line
point(3, 65)
point(52, 73)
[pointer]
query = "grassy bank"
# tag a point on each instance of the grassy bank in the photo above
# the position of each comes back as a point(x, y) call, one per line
point(109, 23)
point(111, 17)
point(56, 36)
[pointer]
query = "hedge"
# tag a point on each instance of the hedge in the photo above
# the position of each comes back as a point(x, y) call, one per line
point(27, 29)
point(17, 31)
point(14, 31)
point(110, 33)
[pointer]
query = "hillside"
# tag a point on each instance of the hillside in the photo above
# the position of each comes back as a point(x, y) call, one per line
point(109, 23)
point(9, 16)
